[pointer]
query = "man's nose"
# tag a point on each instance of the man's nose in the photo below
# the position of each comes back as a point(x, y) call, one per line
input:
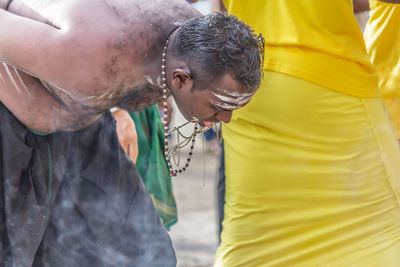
point(224, 116)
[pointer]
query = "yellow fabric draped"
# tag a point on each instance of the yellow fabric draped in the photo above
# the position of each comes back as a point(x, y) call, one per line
point(312, 179)
point(382, 37)
point(312, 162)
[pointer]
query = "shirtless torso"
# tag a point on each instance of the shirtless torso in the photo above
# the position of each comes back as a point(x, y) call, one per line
point(76, 59)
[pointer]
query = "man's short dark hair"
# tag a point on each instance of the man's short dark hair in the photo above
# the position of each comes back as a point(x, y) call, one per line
point(219, 43)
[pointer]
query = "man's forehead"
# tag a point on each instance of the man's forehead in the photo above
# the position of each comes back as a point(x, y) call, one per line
point(227, 94)
point(230, 100)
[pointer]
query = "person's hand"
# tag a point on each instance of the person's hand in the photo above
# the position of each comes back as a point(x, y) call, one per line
point(126, 132)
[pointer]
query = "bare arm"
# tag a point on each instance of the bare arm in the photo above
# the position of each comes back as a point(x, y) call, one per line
point(23, 94)
point(34, 106)
point(15, 31)
point(48, 52)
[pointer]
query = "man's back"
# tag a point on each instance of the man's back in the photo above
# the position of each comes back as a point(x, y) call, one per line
point(87, 63)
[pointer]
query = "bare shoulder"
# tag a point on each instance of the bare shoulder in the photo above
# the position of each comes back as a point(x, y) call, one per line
point(99, 45)
point(116, 38)
point(78, 49)
point(82, 56)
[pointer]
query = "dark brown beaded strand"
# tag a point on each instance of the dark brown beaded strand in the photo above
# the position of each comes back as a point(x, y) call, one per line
point(165, 118)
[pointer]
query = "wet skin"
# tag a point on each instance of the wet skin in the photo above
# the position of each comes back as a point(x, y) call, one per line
point(202, 104)
point(215, 104)
point(62, 69)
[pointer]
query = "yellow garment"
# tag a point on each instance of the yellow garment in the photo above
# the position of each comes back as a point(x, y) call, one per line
point(382, 37)
point(312, 179)
point(318, 41)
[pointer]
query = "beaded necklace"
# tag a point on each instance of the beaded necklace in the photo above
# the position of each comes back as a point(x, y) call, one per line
point(192, 138)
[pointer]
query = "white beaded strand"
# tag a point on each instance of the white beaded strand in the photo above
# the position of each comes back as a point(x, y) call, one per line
point(173, 171)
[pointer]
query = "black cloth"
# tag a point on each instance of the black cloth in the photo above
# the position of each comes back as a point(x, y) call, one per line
point(74, 199)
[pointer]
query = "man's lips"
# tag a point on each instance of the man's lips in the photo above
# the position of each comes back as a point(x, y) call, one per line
point(207, 124)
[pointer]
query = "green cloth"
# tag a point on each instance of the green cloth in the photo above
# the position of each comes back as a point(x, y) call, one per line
point(37, 132)
point(152, 165)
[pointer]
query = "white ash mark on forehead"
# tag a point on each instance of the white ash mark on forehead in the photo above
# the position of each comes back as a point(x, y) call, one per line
point(224, 106)
point(230, 100)
point(233, 100)
point(235, 94)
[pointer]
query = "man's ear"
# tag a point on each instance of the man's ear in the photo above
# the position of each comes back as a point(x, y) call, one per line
point(181, 78)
